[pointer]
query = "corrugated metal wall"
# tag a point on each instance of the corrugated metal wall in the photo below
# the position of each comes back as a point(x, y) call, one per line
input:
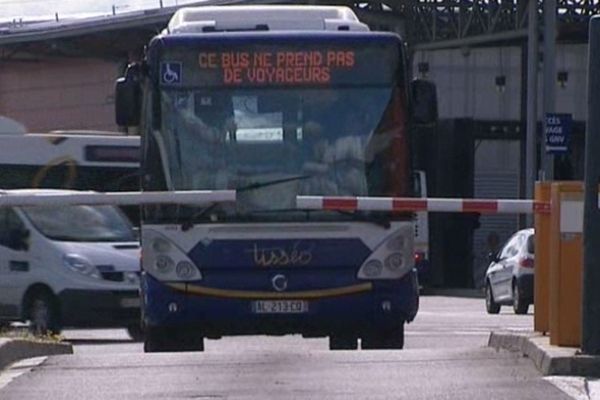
point(496, 176)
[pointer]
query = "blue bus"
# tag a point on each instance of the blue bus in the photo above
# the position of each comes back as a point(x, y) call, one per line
point(274, 102)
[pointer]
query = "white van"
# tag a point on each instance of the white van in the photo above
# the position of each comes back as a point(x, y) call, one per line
point(71, 266)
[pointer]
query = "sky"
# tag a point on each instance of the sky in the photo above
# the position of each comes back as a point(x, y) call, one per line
point(35, 9)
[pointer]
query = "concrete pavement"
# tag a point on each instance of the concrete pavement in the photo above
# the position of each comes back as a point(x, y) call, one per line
point(550, 360)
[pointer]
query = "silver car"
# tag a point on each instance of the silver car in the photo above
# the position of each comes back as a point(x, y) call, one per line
point(509, 277)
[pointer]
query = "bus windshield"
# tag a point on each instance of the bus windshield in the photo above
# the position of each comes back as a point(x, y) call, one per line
point(312, 122)
point(81, 223)
point(272, 144)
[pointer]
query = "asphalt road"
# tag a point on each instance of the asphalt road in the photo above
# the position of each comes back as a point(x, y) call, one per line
point(446, 357)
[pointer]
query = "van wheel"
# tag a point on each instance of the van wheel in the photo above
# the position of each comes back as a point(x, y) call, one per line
point(490, 304)
point(519, 304)
point(43, 314)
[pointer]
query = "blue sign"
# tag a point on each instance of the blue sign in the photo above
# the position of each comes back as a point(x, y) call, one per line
point(558, 132)
point(170, 73)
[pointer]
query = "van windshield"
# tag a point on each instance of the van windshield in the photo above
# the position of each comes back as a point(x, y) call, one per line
point(81, 223)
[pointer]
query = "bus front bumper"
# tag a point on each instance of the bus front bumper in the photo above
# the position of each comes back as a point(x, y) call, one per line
point(380, 305)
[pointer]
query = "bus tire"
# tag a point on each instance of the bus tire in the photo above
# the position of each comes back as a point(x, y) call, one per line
point(43, 313)
point(160, 340)
point(343, 342)
point(135, 332)
point(391, 339)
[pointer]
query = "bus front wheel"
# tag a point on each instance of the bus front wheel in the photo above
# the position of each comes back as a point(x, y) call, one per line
point(385, 339)
point(160, 340)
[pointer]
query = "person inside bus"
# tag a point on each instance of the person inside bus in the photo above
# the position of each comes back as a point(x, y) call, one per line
point(338, 143)
point(203, 128)
point(317, 160)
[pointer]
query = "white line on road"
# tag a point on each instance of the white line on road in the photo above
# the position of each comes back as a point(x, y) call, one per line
point(19, 368)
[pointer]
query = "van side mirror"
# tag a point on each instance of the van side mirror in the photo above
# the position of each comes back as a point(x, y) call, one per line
point(17, 239)
point(423, 96)
point(128, 97)
point(493, 257)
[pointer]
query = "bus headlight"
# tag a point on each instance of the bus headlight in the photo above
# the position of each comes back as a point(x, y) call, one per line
point(372, 269)
point(161, 245)
point(163, 264)
point(185, 270)
point(391, 259)
point(394, 261)
point(162, 259)
point(396, 243)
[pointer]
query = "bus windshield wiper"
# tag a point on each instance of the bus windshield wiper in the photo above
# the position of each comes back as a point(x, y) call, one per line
point(189, 223)
point(259, 185)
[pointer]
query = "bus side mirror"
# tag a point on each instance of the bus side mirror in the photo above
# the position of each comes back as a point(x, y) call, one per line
point(128, 97)
point(424, 102)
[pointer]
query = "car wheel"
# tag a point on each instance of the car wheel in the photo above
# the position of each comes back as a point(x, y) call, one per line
point(490, 304)
point(159, 340)
point(520, 305)
point(342, 342)
point(43, 314)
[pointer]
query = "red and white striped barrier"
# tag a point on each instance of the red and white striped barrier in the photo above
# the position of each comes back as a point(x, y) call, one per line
point(398, 204)
point(49, 198)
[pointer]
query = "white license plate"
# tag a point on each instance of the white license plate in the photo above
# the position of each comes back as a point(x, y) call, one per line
point(130, 302)
point(280, 306)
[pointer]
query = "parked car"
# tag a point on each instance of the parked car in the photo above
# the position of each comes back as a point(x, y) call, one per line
point(509, 277)
point(70, 266)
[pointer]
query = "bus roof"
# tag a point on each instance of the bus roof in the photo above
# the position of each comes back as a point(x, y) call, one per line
point(264, 18)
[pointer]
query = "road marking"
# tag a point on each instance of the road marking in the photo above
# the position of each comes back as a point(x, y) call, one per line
point(19, 368)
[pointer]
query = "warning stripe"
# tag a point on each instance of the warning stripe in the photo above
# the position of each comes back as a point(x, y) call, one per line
point(399, 204)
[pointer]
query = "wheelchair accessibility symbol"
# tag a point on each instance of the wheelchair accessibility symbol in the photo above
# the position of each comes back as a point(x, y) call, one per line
point(170, 73)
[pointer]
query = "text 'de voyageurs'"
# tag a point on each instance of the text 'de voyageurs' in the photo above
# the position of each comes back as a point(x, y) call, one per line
point(277, 67)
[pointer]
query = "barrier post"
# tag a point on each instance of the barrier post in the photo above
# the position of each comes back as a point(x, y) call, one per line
point(541, 283)
point(566, 263)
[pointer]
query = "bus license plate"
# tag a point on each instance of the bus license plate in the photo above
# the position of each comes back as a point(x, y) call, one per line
point(280, 306)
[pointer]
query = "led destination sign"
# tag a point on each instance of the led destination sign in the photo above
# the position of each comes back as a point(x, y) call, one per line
point(277, 67)
point(277, 64)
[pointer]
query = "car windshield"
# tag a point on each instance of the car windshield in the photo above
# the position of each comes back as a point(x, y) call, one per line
point(81, 223)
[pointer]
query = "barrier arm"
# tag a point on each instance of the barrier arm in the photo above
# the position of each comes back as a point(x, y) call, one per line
point(408, 204)
point(194, 197)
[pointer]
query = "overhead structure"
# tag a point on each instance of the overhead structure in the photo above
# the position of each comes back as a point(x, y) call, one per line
point(434, 24)
point(425, 24)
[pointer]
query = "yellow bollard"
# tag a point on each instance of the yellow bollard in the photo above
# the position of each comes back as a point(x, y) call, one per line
point(541, 282)
point(566, 263)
